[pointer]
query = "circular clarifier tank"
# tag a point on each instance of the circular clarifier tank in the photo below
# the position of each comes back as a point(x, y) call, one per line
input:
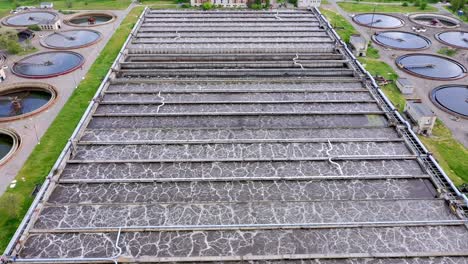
point(30, 18)
point(9, 143)
point(25, 99)
point(376, 20)
point(90, 19)
point(71, 39)
point(431, 66)
point(457, 39)
point(451, 98)
point(48, 64)
point(435, 20)
point(401, 40)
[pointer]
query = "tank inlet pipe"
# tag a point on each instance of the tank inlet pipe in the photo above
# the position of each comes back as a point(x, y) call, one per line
point(162, 102)
point(330, 158)
point(297, 63)
point(277, 15)
point(178, 35)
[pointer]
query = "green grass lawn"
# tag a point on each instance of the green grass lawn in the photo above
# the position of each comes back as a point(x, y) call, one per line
point(464, 17)
point(341, 25)
point(372, 53)
point(44, 155)
point(377, 67)
point(160, 4)
point(450, 153)
point(363, 8)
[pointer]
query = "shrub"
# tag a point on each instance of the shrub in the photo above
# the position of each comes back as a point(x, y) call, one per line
point(456, 5)
point(423, 5)
point(405, 4)
point(447, 51)
point(9, 42)
point(69, 3)
point(34, 28)
point(417, 3)
point(207, 6)
point(256, 6)
point(185, 5)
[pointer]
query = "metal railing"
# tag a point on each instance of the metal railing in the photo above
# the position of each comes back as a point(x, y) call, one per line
point(65, 154)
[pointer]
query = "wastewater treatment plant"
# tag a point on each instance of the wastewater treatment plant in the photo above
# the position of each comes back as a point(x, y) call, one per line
point(240, 137)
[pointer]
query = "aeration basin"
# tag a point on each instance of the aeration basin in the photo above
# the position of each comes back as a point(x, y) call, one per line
point(457, 39)
point(20, 100)
point(48, 64)
point(71, 39)
point(90, 19)
point(431, 66)
point(401, 40)
point(452, 99)
point(376, 20)
point(434, 20)
point(9, 143)
point(30, 18)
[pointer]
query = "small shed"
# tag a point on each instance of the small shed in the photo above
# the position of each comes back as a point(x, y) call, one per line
point(405, 85)
point(422, 118)
point(358, 45)
point(51, 25)
point(47, 5)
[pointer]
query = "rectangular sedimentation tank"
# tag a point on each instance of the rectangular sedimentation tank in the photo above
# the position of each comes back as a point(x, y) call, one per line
point(242, 137)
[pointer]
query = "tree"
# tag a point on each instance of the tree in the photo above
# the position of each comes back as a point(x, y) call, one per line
point(456, 5)
point(207, 5)
point(9, 41)
point(423, 5)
